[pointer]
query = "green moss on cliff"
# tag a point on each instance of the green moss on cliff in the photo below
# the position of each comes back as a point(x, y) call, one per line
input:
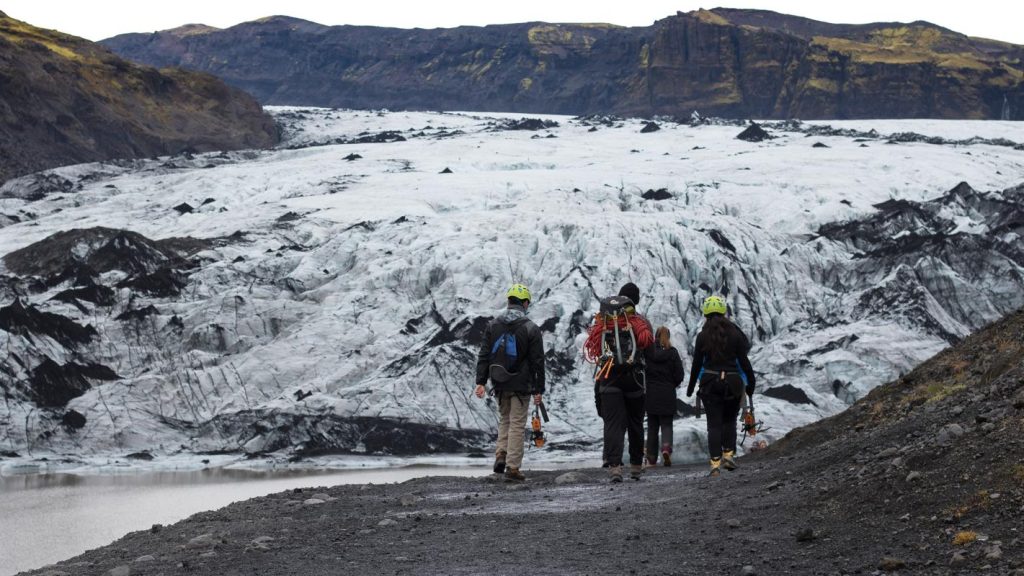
point(709, 17)
point(822, 84)
point(560, 39)
point(20, 33)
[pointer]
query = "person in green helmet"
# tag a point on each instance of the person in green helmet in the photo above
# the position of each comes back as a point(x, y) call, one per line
point(511, 357)
point(721, 366)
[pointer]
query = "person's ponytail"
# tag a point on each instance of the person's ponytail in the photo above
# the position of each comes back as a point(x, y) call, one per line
point(716, 337)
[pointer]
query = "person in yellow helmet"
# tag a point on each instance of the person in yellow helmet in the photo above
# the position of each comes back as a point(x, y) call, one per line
point(511, 357)
point(721, 366)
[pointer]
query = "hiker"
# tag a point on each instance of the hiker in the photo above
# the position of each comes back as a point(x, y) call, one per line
point(512, 357)
point(664, 375)
point(616, 343)
point(721, 366)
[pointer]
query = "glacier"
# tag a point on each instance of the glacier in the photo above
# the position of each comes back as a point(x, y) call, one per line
point(327, 297)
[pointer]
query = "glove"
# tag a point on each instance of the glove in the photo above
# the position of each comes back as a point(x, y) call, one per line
point(750, 390)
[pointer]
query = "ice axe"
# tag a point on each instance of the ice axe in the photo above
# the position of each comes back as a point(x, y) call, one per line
point(751, 425)
point(537, 435)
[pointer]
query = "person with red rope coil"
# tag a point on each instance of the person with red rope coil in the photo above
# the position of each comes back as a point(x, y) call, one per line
point(615, 343)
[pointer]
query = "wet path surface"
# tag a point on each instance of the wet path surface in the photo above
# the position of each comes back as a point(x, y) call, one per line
point(51, 517)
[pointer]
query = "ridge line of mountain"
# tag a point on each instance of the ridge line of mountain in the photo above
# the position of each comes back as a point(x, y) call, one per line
point(722, 62)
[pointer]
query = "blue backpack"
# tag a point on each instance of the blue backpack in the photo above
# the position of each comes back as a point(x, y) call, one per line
point(504, 359)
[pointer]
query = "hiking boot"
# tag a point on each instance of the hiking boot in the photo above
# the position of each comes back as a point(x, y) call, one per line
point(716, 464)
point(651, 462)
point(728, 461)
point(616, 473)
point(636, 471)
point(666, 455)
point(499, 462)
point(514, 475)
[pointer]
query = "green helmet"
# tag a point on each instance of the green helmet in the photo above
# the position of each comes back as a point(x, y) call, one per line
point(519, 291)
point(713, 305)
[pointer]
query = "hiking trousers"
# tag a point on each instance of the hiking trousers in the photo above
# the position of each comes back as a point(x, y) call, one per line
point(722, 413)
point(623, 416)
point(513, 409)
point(658, 423)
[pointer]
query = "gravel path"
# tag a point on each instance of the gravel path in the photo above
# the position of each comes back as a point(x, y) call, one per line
point(757, 520)
point(923, 476)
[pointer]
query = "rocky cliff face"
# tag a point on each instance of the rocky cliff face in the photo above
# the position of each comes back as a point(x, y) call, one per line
point(64, 100)
point(725, 62)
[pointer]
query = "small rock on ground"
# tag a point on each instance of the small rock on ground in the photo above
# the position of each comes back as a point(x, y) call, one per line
point(889, 564)
point(570, 478)
point(202, 541)
point(409, 500)
point(805, 535)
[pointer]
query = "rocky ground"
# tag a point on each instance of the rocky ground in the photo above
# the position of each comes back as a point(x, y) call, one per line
point(923, 476)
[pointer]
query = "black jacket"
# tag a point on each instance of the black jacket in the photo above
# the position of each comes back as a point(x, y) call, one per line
point(733, 359)
point(529, 347)
point(664, 375)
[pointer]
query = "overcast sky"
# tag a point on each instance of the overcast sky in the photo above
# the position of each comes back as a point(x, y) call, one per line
point(99, 19)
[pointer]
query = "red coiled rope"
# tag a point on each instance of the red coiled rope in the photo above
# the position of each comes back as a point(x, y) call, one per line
point(641, 330)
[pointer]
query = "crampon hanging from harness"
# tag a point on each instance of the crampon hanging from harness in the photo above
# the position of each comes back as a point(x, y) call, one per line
point(616, 336)
point(751, 425)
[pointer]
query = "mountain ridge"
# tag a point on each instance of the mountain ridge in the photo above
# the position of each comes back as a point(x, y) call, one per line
point(724, 62)
point(66, 100)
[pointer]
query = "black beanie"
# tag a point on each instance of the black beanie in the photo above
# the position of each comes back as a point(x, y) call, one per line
point(629, 290)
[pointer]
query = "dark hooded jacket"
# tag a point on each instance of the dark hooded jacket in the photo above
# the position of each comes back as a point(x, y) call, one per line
point(530, 351)
point(664, 375)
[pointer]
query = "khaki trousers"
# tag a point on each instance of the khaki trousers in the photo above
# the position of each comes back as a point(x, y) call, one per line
point(513, 410)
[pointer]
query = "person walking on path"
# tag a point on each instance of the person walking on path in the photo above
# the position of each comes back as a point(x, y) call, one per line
point(616, 343)
point(664, 375)
point(511, 357)
point(721, 366)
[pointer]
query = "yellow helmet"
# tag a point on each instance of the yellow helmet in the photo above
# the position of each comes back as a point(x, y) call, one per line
point(713, 305)
point(519, 291)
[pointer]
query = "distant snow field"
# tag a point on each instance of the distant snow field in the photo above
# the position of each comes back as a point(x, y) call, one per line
point(345, 317)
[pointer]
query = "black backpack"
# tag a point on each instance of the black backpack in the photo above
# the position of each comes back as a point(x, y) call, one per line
point(618, 341)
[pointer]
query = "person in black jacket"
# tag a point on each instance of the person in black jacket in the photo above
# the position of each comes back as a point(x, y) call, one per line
point(721, 366)
point(512, 357)
point(664, 375)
